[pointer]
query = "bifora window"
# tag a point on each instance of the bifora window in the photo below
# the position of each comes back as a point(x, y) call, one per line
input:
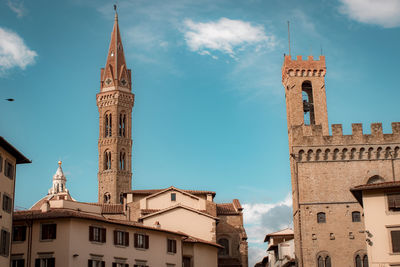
point(48, 231)
point(45, 262)
point(96, 263)
point(97, 234)
point(122, 124)
point(361, 260)
point(356, 216)
point(141, 241)
point(121, 238)
point(321, 217)
point(171, 245)
point(394, 202)
point(107, 125)
point(324, 261)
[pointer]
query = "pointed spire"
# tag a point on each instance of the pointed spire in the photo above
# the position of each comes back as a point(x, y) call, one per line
point(115, 75)
point(59, 181)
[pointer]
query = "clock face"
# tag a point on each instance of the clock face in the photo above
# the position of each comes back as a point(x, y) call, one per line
point(108, 81)
point(124, 82)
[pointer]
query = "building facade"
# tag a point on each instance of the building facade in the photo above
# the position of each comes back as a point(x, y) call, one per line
point(9, 158)
point(381, 206)
point(324, 167)
point(280, 248)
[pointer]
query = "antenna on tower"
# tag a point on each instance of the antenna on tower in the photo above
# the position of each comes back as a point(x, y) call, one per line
point(321, 49)
point(115, 7)
point(288, 29)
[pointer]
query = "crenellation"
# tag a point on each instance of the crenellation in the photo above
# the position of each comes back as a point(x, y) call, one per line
point(376, 130)
point(337, 130)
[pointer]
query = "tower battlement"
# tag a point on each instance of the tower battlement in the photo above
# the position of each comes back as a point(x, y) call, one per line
point(303, 68)
point(312, 135)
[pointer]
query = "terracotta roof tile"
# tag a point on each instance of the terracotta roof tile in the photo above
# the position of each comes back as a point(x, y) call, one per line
point(64, 213)
point(377, 186)
point(109, 208)
point(236, 203)
point(191, 239)
point(226, 209)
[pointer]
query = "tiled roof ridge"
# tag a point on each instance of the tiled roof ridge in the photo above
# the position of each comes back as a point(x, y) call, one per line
point(201, 212)
point(377, 185)
point(152, 191)
point(226, 209)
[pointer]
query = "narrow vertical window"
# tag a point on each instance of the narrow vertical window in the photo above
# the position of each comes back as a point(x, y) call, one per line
point(356, 216)
point(365, 261)
point(120, 125)
point(395, 235)
point(106, 125)
point(308, 103)
point(328, 261)
point(358, 261)
point(107, 160)
point(225, 243)
point(320, 262)
point(123, 125)
point(173, 196)
point(321, 217)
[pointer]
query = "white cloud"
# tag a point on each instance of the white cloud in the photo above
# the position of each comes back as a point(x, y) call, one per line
point(384, 13)
point(13, 51)
point(17, 7)
point(224, 35)
point(263, 218)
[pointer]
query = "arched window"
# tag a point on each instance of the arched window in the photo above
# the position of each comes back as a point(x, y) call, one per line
point(122, 125)
point(225, 243)
point(358, 261)
point(321, 217)
point(121, 198)
point(107, 197)
point(122, 160)
point(375, 179)
point(308, 103)
point(361, 259)
point(107, 125)
point(107, 160)
point(365, 261)
point(323, 259)
point(356, 216)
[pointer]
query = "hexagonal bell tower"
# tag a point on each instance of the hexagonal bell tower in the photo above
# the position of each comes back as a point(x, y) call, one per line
point(115, 102)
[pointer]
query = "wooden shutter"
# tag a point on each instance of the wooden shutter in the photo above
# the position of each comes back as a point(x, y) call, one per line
point(103, 235)
point(91, 233)
point(174, 246)
point(7, 248)
point(115, 237)
point(126, 239)
point(90, 263)
point(395, 241)
point(135, 236)
point(51, 262)
point(37, 263)
point(146, 241)
point(54, 231)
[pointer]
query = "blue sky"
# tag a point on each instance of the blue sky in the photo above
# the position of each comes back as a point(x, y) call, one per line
point(209, 110)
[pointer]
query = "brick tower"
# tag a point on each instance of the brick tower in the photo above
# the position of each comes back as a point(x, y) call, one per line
point(115, 103)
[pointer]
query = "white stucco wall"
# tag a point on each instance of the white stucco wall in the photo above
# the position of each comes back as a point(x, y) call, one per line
point(163, 201)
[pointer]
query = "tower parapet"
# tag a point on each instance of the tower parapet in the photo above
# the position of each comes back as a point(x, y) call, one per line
point(303, 68)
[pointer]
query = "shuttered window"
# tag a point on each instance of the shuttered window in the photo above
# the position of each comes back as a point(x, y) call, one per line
point(1, 163)
point(141, 241)
point(121, 238)
point(7, 203)
point(394, 202)
point(96, 263)
point(395, 235)
point(8, 169)
point(18, 263)
point(97, 234)
point(4, 243)
point(171, 246)
point(19, 233)
point(116, 264)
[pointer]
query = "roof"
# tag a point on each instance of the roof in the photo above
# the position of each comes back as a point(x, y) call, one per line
point(65, 213)
point(175, 207)
point(284, 232)
point(357, 190)
point(226, 209)
point(191, 239)
point(153, 191)
point(108, 208)
point(13, 151)
point(175, 189)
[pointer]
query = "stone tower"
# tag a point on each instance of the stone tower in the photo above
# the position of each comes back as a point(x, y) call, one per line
point(115, 102)
point(328, 221)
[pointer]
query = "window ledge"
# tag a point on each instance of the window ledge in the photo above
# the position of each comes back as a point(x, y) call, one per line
point(46, 240)
point(143, 249)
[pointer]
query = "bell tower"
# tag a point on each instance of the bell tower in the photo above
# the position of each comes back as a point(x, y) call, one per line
point(304, 82)
point(115, 102)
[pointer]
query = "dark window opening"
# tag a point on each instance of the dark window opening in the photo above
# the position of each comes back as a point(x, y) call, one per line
point(173, 196)
point(395, 235)
point(122, 125)
point(122, 160)
point(225, 243)
point(19, 233)
point(107, 198)
point(141, 241)
point(96, 263)
point(121, 238)
point(48, 231)
point(45, 262)
point(97, 234)
point(308, 103)
point(7, 203)
point(394, 202)
point(107, 125)
point(18, 263)
point(321, 217)
point(171, 246)
point(107, 160)
point(4, 243)
point(8, 169)
point(356, 216)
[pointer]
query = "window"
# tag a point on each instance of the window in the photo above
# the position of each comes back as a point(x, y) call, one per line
point(18, 263)
point(173, 196)
point(171, 246)
point(7, 203)
point(121, 238)
point(324, 261)
point(361, 259)
point(48, 231)
point(1, 163)
point(365, 261)
point(122, 160)
point(139, 263)
point(308, 103)
point(395, 235)
point(107, 160)
point(121, 198)
point(4, 243)
point(394, 202)
point(19, 233)
point(96, 263)
point(186, 262)
point(107, 197)
point(321, 217)
point(8, 169)
point(45, 262)
point(358, 261)
point(225, 243)
point(107, 125)
point(116, 264)
point(141, 241)
point(97, 234)
point(122, 125)
point(356, 216)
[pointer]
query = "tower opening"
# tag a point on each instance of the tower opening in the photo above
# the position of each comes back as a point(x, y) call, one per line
point(308, 103)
